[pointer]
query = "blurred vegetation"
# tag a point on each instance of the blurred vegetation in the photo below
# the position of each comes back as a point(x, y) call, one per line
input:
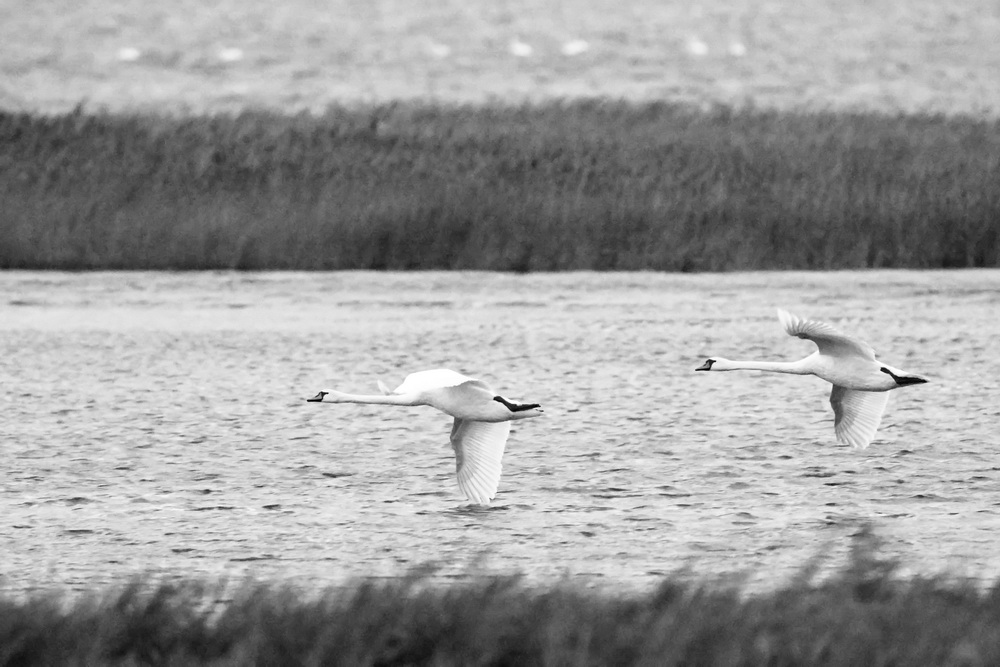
point(548, 187)
point(864, 615)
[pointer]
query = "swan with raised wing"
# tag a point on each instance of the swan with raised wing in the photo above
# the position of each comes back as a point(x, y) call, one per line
point(479, 433)
point(860, 382)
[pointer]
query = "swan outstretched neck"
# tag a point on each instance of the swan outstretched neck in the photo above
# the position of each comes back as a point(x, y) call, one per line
point(480, 430)
point(332, 396)
point(723, 364)
point(859, 380)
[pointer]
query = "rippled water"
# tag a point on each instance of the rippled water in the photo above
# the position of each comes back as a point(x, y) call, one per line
point(154, 422)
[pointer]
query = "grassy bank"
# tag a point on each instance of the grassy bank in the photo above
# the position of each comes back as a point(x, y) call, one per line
point(581, 185)
point(863, 616)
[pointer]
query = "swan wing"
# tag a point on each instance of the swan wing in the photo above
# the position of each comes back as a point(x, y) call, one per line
point(857, 414)
point(439, 378)
point(828, 338)
point(478, 449)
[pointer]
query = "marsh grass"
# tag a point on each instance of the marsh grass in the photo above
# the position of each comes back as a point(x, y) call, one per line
point(864, 615)
point(547, 187)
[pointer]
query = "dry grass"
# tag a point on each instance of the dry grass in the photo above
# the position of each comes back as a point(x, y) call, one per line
point(584, 185)
point(865, 615)
point(547, 186)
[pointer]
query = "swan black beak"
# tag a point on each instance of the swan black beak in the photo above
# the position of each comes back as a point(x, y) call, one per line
point(903, 380)
point(707, 366)
point(317, 398)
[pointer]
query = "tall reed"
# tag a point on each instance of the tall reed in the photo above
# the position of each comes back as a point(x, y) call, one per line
point(864, 615)
point(574, 185)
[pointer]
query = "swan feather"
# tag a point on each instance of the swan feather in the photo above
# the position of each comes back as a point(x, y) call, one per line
point(828, 338)
point(857, 414)
point(439, 378)
point(479, 448)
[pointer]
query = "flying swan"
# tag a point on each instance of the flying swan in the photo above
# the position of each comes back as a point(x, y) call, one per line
point(482, 421)
point(860, 382)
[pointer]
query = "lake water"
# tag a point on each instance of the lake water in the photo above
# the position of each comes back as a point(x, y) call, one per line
point(155, 423)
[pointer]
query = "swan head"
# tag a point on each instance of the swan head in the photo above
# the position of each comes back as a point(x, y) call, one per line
point(720, 364)
point(318, 397)
point(520, 410)
point(714, 364)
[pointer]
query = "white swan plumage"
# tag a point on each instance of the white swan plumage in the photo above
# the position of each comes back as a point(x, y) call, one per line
point(860, 382)
point(481, 428)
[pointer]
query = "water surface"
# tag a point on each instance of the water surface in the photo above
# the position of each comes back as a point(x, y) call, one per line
point(155, 422)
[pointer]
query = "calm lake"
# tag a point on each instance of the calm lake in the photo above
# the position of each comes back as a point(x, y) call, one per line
point(155, 423)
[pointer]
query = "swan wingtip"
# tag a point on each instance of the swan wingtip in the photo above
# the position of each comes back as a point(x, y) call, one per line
point(788, 321)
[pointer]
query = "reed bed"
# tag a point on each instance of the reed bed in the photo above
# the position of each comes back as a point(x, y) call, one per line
point(582, 185)
point(864, 615)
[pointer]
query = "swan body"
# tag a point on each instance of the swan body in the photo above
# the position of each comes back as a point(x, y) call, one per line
point(479, 432)
point(859, 380)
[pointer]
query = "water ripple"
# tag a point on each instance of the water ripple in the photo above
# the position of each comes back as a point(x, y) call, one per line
point(155, 423)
